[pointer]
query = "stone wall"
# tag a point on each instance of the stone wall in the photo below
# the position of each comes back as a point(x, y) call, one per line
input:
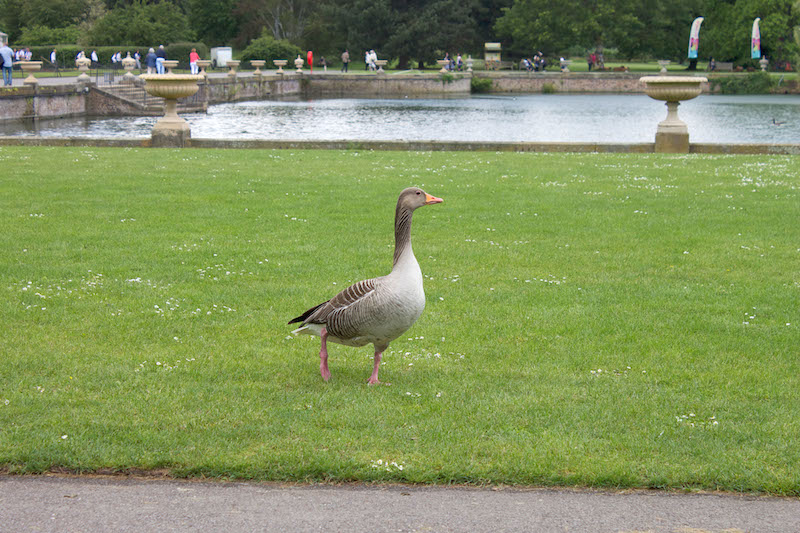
point(20, 103)
point(537, 82)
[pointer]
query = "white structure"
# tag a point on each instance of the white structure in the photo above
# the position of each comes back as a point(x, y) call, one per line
point(221, 55)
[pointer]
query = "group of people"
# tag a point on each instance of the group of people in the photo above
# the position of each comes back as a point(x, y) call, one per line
point(454, 64)
point(596, 61)
point(8, 57)
point(537, 63)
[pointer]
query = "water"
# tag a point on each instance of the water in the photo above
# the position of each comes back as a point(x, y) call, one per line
point(556, 118)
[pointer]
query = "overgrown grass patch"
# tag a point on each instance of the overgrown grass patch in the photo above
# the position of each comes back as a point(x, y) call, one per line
point(598, 320)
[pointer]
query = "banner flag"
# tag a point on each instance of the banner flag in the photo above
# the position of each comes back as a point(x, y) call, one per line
point(694, 38)
point(755, 41)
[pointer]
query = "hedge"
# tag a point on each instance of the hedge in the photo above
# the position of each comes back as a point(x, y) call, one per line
point(66, 53)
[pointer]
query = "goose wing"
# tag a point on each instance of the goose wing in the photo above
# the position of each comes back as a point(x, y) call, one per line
point(343, 311)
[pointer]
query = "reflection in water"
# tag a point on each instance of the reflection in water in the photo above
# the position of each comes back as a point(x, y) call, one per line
point(558, 118)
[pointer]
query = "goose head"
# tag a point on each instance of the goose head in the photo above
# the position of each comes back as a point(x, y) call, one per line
point(414, 197)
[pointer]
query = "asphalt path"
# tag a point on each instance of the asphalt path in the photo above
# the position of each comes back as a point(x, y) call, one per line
point(91, 504)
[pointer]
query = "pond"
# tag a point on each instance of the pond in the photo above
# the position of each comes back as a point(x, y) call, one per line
point(513, 118)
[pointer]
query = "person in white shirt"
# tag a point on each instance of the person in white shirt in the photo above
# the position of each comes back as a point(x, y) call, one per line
point(53, 57)
point(95, 61)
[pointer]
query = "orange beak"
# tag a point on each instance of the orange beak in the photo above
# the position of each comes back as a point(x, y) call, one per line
point(432, 199)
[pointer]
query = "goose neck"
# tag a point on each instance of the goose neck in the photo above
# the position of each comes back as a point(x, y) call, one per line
point(402, 233)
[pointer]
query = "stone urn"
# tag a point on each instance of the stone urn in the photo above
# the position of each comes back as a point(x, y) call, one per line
point(663, 63)
point(470, 62)
point(29, 67)
point(171, 130)
point(763, 62)
point(280, 63)
point(170, 64)
point(203, 64)
point(234, 64)
point(380, 63)
point(672, 135)
point(128, 63)
point(258, 63)
point(83, 64)
point(443, 63)
point(298, 64)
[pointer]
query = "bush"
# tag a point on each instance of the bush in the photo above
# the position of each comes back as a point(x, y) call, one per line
point(754, 83)
point(66, 53)
point(42, 35)
point(180, 51)
point(267, 47)
point(480, 85)
point(549, 88)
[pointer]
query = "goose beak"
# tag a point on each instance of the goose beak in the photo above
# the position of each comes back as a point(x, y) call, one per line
point(432, 199)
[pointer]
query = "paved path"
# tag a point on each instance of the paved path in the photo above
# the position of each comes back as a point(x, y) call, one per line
point(77, 504)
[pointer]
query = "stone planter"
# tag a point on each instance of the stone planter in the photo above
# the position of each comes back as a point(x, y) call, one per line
point(83, 66)
point(672, 135)
point(171, 130)
point(128, 63)
point(280, 63)
point(663, 63)
point(203, 64)
point(234, 64)
point(170, 64)
point(380, 63)
point(763, 62)
point(258, 63)
point(29, 67)
point(443, 63)
point(298, 64)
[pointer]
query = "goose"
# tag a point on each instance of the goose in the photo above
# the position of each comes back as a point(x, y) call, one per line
point(778, 123)
point(374, 311)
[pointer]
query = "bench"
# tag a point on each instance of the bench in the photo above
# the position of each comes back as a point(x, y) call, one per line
point(724, 66)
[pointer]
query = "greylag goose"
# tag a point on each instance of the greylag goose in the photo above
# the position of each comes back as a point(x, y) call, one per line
point(374, 311)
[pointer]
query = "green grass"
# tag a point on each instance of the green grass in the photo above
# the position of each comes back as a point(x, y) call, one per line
point(594, 320)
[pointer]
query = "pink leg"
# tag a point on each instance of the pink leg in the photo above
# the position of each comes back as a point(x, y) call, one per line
point(323, 356)
point(373, 379)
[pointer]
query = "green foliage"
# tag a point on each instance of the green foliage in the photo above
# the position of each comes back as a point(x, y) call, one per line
point(180, 51)
point(480, 85)
point(267, 47)
point(549, 88)
point(446, 77)
point(155, 24)
point(752, 83)
point(213, 21)
point(42, 35)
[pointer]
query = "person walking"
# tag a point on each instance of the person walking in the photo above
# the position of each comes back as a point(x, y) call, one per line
point(7, 58)
point(345, 60)
point(194, 57)
point(150, 61)
point(161, 55)
point(54, 58)
point(95, 60)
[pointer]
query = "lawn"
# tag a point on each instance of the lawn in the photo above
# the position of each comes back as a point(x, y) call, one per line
point(604, 320)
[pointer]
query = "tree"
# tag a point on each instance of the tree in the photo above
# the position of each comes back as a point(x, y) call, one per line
point(141, 24)
point(213, 21)
point(285, 19)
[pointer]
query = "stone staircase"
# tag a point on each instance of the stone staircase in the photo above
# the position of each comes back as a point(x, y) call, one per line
point(136, 95)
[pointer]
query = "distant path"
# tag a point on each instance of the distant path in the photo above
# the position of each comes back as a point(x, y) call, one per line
point(76, 504)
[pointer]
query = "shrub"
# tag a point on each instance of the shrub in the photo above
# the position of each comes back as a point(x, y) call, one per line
point(267, 47)
point(549, 88)
point(480, 85)
point(42, 35)
point(180, 51)
point(753, 83)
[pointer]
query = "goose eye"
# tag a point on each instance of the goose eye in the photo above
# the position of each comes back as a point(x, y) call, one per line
point(418, 193)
